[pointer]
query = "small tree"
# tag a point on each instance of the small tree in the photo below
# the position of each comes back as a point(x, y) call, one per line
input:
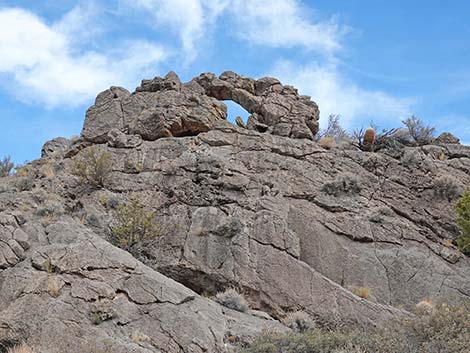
point(334, 130)
point(6, 166)
point(463, 220)
point(93, 168)
point(135, 225)
point(420, 133)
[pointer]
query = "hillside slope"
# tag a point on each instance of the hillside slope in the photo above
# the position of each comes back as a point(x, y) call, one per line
point(260, 208)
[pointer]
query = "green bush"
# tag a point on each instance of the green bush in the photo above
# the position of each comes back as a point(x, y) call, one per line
point(93, 167)
point(135, 225)
point(463, 220)
point(6, 166)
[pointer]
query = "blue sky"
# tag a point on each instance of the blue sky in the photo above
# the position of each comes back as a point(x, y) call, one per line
point(366, 60)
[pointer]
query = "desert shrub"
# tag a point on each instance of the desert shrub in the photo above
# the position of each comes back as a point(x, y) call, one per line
point(463, 243)
point(463, 221)
point(6, 166)
point(420, 133)
point(101, 313)
point(315, 341)
point(49, 209)
point(327, 143)
point(361, 292)
point(424, 307)
point(24, 184)
point(343, 184)
point(48, 170)
point(379, 214)
point(333, 130)
point(135, 225)
point(93, 167)
point(109, 201)
point(232, 300)
point(299, 321)
point(446, 187)
point(442, 329)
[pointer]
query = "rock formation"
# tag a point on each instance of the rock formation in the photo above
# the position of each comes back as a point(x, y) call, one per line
point(164, 107)
point(262, 209)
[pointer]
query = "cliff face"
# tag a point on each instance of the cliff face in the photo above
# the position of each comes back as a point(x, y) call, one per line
point(261, 208)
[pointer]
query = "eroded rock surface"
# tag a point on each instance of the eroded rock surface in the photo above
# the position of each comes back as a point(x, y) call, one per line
point(75, 292)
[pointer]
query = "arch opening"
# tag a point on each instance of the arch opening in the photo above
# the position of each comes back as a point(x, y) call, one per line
point(233, 110)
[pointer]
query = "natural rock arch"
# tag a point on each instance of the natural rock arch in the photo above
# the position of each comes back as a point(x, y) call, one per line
point(165, 107)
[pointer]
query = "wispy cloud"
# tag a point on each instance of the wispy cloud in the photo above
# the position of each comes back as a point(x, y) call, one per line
point(336, 94)
point(272, 23)
point(190, 19)
point(43, 63)
point(285, 23)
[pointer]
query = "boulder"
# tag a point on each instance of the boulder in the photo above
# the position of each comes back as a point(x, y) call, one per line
point(447, 138)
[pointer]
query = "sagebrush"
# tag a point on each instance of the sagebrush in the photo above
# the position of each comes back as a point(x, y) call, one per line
point(232, 300)
point(135, 226)
point(440, 329)
point(93, 167)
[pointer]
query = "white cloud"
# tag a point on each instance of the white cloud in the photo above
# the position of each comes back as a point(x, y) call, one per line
point(284, 23)
point(47, 65)
point(273, 23)
point(191, 19)
point(335, 94)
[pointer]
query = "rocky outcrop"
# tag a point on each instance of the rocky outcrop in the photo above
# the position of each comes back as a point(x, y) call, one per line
point(164, 107)
point(74, 292)
point(274, 108)
point(259, 208)
point(257, 211)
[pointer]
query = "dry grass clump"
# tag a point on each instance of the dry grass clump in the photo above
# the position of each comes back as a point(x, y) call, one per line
point(361, 292)
point(425, 307)
point(232, 300)
point(299, 321)
point(47, 170)
point(53, 284)
point(327, 143)
point(23, 348)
